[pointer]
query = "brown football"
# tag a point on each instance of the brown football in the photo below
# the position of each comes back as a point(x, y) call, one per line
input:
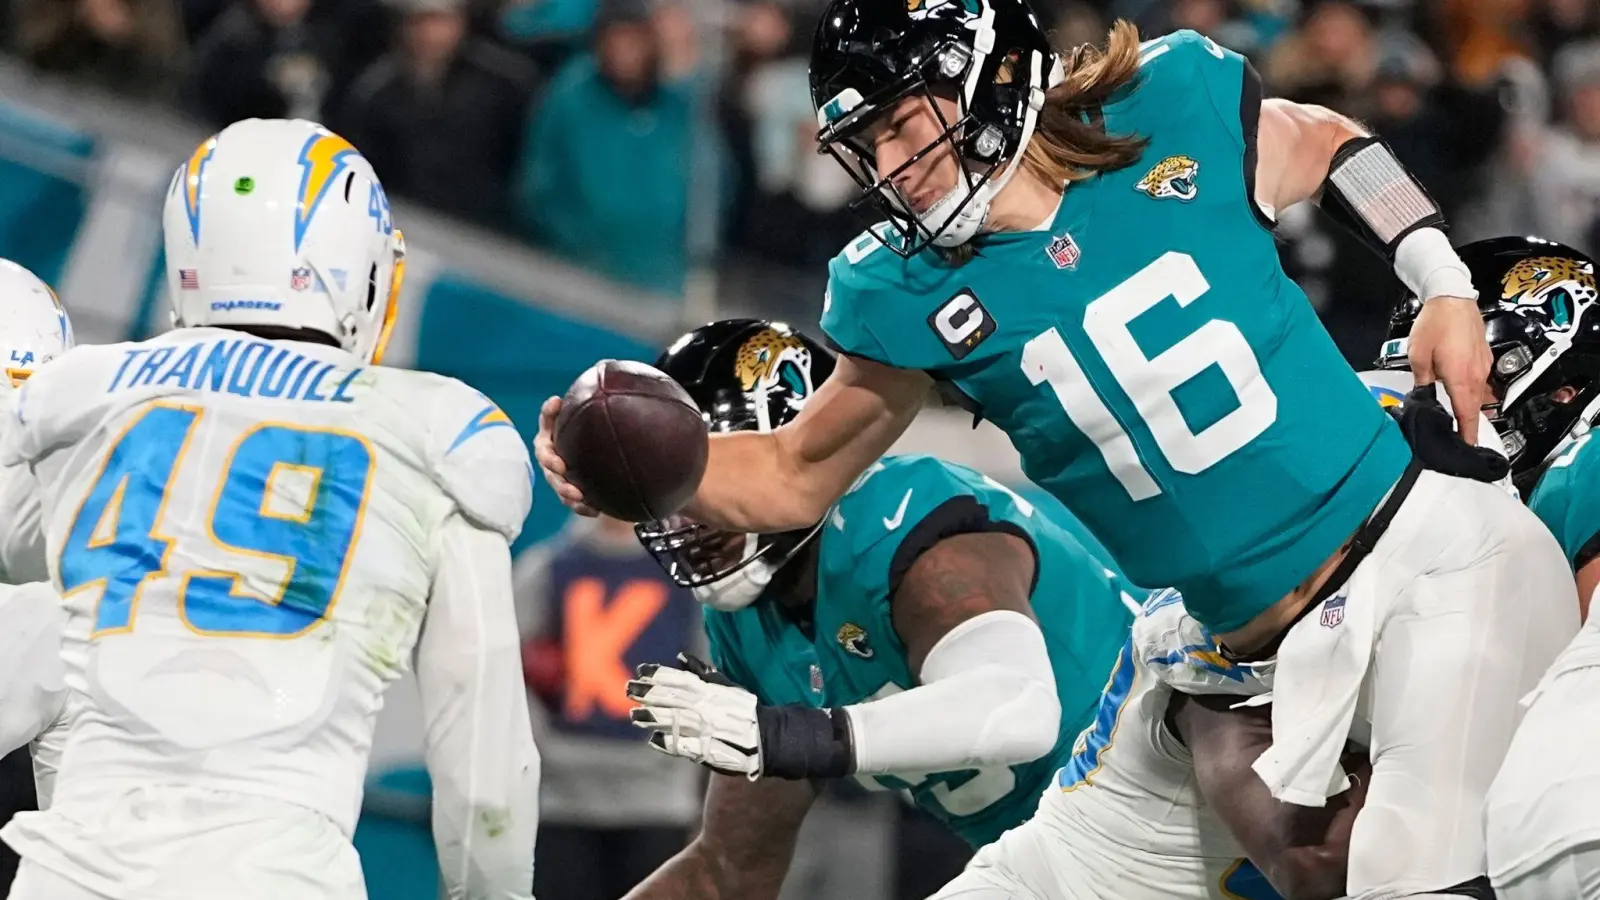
point(633, 440)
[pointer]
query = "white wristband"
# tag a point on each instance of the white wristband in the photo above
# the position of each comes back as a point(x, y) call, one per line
point(1429, 267)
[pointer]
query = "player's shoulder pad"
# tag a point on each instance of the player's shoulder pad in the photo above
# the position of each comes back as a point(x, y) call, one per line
point(86, 370)
point(1184, 54)
point(37, 410)
point(903, 505)
point(874, 295)
point(1174, 66)
point(860, 277)
point(1179, 651)
point(478, 456)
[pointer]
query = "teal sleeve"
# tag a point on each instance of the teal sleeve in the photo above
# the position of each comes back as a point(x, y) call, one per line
point(845, 303)
point(1567, 500)
point(906, 504)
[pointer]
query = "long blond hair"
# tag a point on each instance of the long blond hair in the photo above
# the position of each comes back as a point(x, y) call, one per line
point(1065, 146)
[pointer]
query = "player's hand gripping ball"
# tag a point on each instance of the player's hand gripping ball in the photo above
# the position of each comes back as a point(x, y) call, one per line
point(632, 441)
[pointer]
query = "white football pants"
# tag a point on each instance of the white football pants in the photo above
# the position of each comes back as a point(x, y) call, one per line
point(1544, 810)
point(1476, 601)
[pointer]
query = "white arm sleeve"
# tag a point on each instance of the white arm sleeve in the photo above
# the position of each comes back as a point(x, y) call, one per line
point(32, 689)
point(480, 751)
point(987, 698)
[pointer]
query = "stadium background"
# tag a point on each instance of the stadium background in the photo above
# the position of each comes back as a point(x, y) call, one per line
point(559, 210)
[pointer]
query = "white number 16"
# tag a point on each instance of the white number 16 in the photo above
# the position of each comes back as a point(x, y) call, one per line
point(1150, 381)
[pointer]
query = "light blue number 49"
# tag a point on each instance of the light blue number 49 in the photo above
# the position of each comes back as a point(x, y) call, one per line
point(117, 541)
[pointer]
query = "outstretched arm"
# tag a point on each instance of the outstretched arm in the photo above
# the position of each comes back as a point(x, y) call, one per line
point(746, 841)
point(1303, 851)
point(787, 478)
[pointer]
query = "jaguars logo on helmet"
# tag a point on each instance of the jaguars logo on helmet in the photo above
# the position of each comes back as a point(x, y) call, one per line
point(1557, 288)
point(744, 375)
point(1538, 300)
point(1173, 177)
point(771, 358)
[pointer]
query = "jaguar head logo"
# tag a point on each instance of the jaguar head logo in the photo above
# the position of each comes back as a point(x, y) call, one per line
point(1172, 177)
point(1553, 289)
point(774, 365)
point(854, 640)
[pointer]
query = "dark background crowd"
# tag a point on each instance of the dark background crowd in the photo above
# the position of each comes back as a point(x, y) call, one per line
point(656, 141)
point(669, 144)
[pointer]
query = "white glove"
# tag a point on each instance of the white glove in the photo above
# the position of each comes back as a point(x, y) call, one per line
point(699, 714)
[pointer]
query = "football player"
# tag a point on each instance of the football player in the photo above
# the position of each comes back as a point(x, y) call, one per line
point(256, 528)
point(34, 329)
point(1083, 248)
point(952, 637)
point(1148, 805)
point(1543, 322)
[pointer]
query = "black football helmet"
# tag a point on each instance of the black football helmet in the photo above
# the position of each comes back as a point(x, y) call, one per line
point(745, 375)
point(991, 55)
point(1538, 300)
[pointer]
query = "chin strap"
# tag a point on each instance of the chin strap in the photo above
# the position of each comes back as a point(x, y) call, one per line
point(974, 214)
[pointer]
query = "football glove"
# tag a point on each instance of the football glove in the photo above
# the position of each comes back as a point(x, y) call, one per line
point(1432, 435)
point(699, 714)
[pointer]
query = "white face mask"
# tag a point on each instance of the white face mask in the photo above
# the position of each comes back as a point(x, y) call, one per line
point(738, 590)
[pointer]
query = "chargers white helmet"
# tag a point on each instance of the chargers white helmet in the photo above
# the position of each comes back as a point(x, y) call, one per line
point(34, 329)
point(283, 223)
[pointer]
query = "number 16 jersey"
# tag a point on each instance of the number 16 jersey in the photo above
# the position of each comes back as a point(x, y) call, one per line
point(1152, 363)
point(246, 534)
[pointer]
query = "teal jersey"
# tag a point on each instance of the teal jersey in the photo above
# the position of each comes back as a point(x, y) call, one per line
point(1152, 363)
point(1567, 499)
point(851, 654)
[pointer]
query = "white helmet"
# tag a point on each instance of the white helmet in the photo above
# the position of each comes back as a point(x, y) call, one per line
point(282, 223)
point(34, 329)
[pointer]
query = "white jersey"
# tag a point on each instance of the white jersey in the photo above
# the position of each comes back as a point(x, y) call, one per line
point(249, 537)
point(1125, 818)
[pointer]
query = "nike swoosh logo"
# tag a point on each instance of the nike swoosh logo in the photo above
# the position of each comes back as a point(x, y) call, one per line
point(899, 514)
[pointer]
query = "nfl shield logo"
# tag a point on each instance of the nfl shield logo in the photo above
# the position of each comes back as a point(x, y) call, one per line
point(1064, 252)
point(1333, 610)
point(300, 279)
point(816, 679)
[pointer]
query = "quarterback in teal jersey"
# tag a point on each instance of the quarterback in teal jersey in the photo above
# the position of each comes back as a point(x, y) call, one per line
point(957, 637)
point(1082, 248)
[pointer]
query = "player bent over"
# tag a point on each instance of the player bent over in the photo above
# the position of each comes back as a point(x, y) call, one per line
point(257, 528)
point(1543, 321)
point(934, 633)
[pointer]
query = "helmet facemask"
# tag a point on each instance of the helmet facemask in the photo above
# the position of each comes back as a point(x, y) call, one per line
point(997, 99)
point(728, 570)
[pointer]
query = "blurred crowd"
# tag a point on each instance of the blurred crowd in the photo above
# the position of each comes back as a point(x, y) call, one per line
point(646, 138)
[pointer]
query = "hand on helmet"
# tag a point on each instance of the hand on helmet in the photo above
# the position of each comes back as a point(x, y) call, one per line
point(1448, 345)
point(551, 463)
